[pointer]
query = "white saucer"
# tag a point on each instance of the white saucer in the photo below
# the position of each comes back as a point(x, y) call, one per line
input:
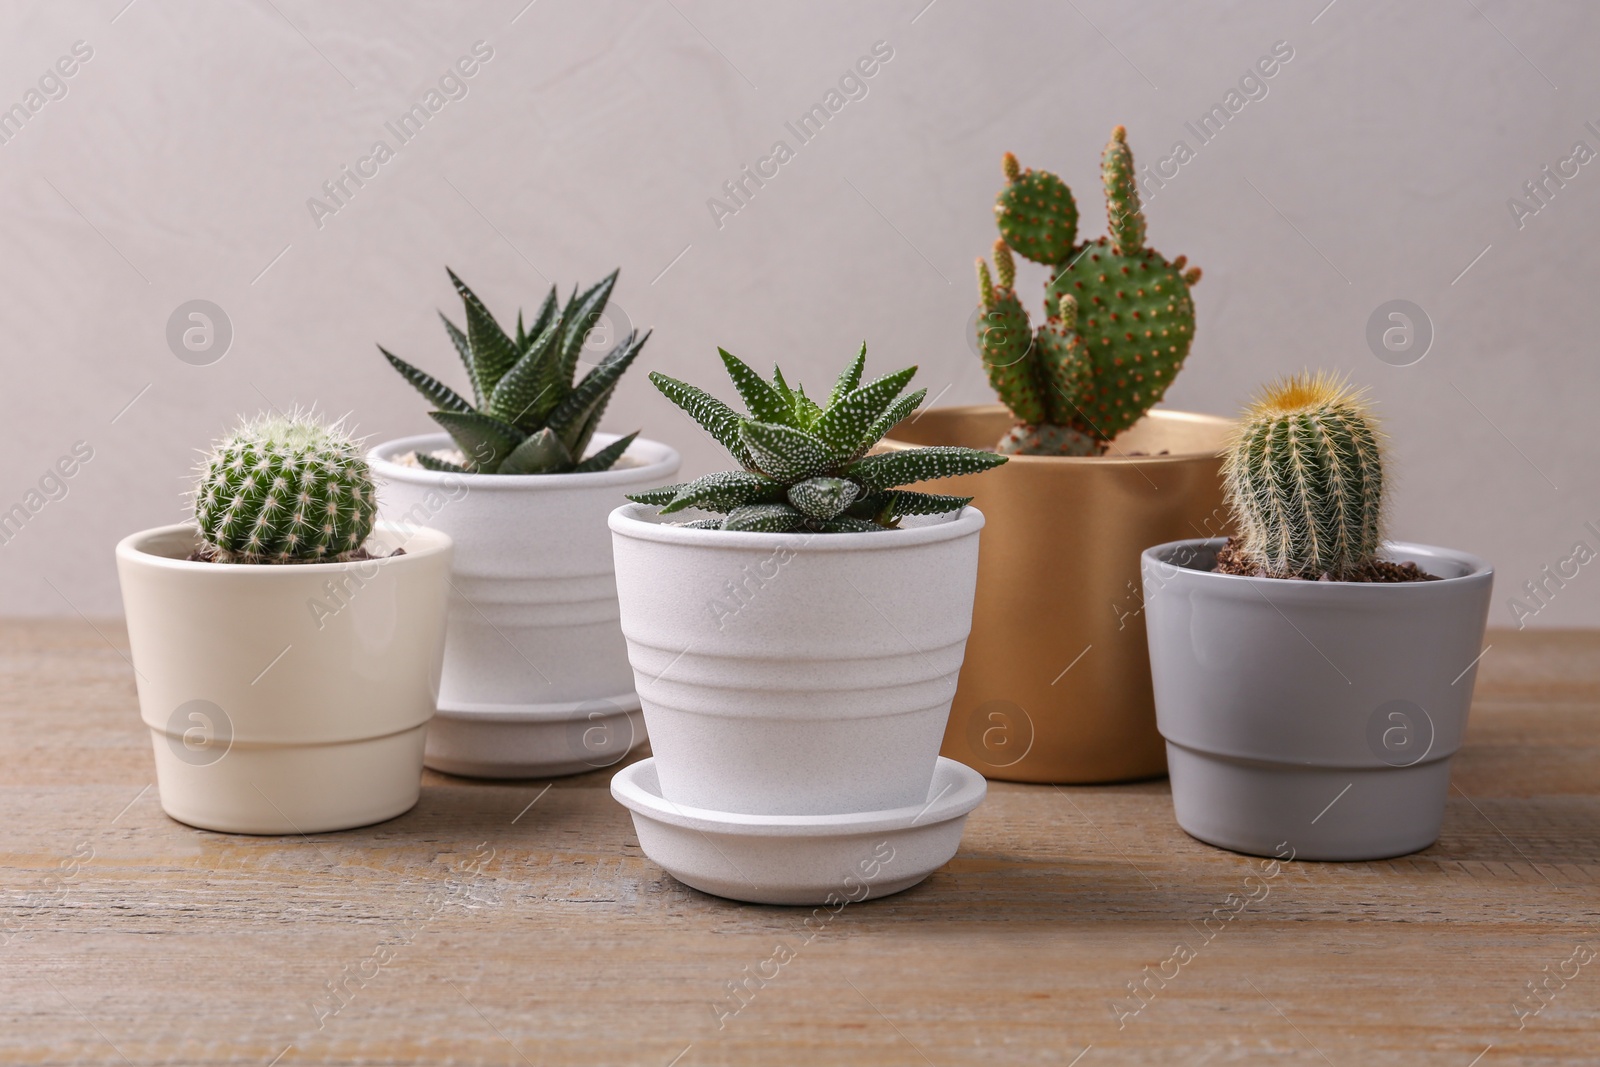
point(801, 859)
point(533, 740)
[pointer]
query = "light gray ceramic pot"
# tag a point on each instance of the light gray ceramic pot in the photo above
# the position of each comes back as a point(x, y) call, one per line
point(1313, 716)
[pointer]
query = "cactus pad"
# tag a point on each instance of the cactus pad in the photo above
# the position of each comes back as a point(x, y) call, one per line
point(285, 490)
point(1036, 213)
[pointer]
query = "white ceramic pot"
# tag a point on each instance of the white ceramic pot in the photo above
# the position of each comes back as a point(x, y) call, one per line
point(795, 674)
point(536, 679)
point(1317, 716)
point(285, 698)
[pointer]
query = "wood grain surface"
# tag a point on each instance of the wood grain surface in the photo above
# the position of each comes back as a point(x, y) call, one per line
point(518, 923)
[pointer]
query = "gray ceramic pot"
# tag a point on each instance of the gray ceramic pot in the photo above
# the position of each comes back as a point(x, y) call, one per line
point(1313, 716)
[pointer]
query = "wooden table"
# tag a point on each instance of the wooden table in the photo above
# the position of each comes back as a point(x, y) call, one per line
point(519, 923)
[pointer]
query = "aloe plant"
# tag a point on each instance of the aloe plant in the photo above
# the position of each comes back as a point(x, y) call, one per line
point(805, 466)
point(528, 414)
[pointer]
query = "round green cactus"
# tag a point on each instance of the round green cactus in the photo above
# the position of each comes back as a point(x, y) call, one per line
point(1036, 213)
point(285, 490)
point(1304, 479)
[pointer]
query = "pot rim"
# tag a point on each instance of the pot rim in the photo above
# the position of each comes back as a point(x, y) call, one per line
point(1162, 414)
point(628, 521)
point(963, 790)
point(420, 543)
point(663, 461)
point(1478, 570)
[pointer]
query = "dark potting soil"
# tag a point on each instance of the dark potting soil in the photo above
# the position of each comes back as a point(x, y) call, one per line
point(1230, 561)
point(360, 555)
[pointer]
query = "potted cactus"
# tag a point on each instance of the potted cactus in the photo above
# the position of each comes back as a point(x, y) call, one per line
point(796, 628)
point(286, 649)
point(1312, 680)
point(536, 679)
point(1056, 686)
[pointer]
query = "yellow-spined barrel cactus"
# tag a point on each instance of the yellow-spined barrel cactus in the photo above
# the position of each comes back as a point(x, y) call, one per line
point(1304, 479)
point(1120, 318)
point(285, 490)
point(806, 465)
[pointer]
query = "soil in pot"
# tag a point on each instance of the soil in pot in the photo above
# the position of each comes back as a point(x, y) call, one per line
point(1230, 561)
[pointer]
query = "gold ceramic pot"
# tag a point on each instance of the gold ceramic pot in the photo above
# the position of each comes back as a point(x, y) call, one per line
point(1056, 683)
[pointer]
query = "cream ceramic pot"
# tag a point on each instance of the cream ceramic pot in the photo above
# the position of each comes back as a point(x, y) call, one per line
point(536, 679)
point(285, 698)
point(795, 674)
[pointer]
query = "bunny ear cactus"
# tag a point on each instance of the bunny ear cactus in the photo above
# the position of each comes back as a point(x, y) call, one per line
point(805, 465)
point(285, 490)
point(1120, 319)
point(1304, 478)
point(529, 414)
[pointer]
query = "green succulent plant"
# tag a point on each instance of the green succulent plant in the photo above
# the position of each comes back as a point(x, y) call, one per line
point(284, 489)
point(1304, 478)
point(1120, 319)
point(529, 415)
point(805, 465)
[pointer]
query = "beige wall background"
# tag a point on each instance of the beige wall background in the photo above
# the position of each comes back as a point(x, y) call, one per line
point(1379, 163)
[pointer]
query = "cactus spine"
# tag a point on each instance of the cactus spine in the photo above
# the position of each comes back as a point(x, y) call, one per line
point(1121, 319)
point(1304, 479)
point(285, 490)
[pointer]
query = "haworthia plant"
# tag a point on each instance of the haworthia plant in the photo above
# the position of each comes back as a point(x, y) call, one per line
point(806, 465)
point(284, 490)
point(529, 413)
point(1304, 479)
point(1120, 319)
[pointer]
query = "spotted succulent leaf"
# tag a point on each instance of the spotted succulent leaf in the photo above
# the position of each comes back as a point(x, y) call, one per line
point(484, 440)
point(823, 498)
point(541, 453)
point(846, 420)
point(889, 469)
point(763, 518)
point(443, 397)
point(725, 491)
point(763, 401)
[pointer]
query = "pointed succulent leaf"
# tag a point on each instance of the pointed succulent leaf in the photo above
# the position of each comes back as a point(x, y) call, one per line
point(492, 351)
point(578, 440)
point(522, 336)
point(441, 395)
point(782, 386)
point(483, 440)
point(725, 491)
point(464, 350)
point(715, 417)
point(584, 312)
point(823, 498)
point(606, 458)
point(541, 322)
point(443, 466)
point(806, 410)
point(573, 413)
point(526, 393)
point(851, 524)
point(904, 502)
point(764, 403)
point(763, 518)
point(657, 497)
point(850, 380)
point(845, 422)
point(889, 469)
point(783, 452)
point(897, 413)
point(702, 524)
point(541, 453)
